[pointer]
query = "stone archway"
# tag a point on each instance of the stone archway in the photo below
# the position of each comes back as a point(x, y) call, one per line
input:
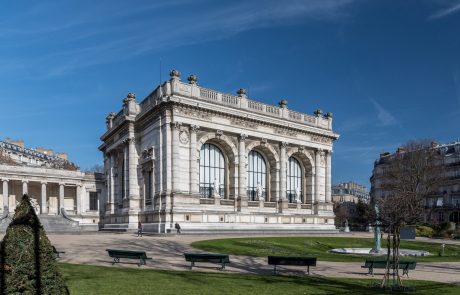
point(308, 168)
point(230, 151)
point(272, 161)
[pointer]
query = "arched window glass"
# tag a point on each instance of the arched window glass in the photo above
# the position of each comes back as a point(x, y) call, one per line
point(294, 181)
point(212, 171)
point(257, 176)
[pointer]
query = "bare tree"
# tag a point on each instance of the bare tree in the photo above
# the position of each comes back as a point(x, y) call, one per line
point(415, 171)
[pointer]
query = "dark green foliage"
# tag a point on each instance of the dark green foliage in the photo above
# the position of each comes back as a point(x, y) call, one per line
point(27, 261)
point(424, 231)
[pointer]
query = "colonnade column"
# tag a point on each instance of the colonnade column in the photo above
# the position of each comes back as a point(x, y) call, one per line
point(282, 202)
point(194, 186)
point(328, 176)
point(61, 197)
point(175, 156)
point(5, 194)
point(242, 194)
point(78, 197)
point(25, 187)
point(43, 206)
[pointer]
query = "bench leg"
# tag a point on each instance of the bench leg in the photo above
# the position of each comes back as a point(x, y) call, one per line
point(274, 270)
point(308, 269)
point(371, 271)
point(115, 260)
point(406, 272)
point(192, 264)
point(223, 266)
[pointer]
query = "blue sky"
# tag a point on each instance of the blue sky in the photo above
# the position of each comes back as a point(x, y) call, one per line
point(388, 70)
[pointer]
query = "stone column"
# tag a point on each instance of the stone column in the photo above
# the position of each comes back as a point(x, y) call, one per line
point(132, 169)
point(44, 205)
point(78, 198)
point(317, 175)
point(25, 187)
point(242, 194)
point(111, 189)
point(61, 197)
point(125, 184)
point(194, 185)
point(175, 156)
point(5, 194)
point(328, 177)
point(283, 202)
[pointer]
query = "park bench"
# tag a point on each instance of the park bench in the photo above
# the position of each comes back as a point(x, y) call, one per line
point(222, 259)
point(292, 260)
point(117, 254)
point(404, 265)
point(57, 254)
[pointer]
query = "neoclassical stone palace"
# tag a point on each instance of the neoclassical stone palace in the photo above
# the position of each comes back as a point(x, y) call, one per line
point(213, 161)
point(65, 198)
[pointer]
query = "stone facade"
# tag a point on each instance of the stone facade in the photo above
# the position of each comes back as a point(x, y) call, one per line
point(214, 161)
point(349, 192)
point(440, 206)
point(53, 188)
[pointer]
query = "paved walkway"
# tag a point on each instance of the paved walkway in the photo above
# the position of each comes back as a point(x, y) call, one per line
point(167, 253)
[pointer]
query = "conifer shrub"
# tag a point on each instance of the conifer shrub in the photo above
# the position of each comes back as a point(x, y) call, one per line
point(27, 262)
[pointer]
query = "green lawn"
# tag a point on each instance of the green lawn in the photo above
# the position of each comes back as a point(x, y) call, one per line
point(85, 279)
point(316, 246)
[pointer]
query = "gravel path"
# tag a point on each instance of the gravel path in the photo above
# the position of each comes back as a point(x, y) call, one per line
point(167, 253)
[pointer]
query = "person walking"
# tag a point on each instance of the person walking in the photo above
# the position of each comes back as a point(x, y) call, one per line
point(139, 229)
point(177, 226)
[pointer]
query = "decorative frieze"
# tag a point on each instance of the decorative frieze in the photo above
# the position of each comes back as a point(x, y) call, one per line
point(244, 123)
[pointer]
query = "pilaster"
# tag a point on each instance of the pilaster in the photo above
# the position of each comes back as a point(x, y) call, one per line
point(242, 200)
point(282, 201)
point(194, 173)
point(175, 161)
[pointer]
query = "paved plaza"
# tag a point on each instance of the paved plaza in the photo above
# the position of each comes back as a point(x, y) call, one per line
point(167, 253)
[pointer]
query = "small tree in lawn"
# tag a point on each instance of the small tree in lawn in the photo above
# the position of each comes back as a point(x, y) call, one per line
point(27, 263)
point(412, 173)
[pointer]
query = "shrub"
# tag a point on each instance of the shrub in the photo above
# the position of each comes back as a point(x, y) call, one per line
point(424, 231)
point(27, 259)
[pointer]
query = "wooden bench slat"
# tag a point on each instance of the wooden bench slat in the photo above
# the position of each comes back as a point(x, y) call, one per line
point(292, 260)
point(207, 257)
point(130, 254)
point(404, 265)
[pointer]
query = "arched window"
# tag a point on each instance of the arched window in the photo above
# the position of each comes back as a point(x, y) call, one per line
point(294, 180)
point(257, 176)
point(212, 171)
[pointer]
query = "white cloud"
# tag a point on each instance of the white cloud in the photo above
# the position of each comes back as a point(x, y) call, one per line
point(446, 11)
point(108, 33)
point(385, 117)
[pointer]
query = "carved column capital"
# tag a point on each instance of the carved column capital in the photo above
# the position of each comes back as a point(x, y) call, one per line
point(243, 137)
point(176, 125)
point(194, 128)
point(283, 144)
point(219, 133)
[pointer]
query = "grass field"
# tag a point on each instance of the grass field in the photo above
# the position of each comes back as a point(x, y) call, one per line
point(85, 279)
point(317, 246)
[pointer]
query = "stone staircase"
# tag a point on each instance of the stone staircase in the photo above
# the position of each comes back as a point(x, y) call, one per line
point(51, 223)
point(59, 224)
point(115, 228)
